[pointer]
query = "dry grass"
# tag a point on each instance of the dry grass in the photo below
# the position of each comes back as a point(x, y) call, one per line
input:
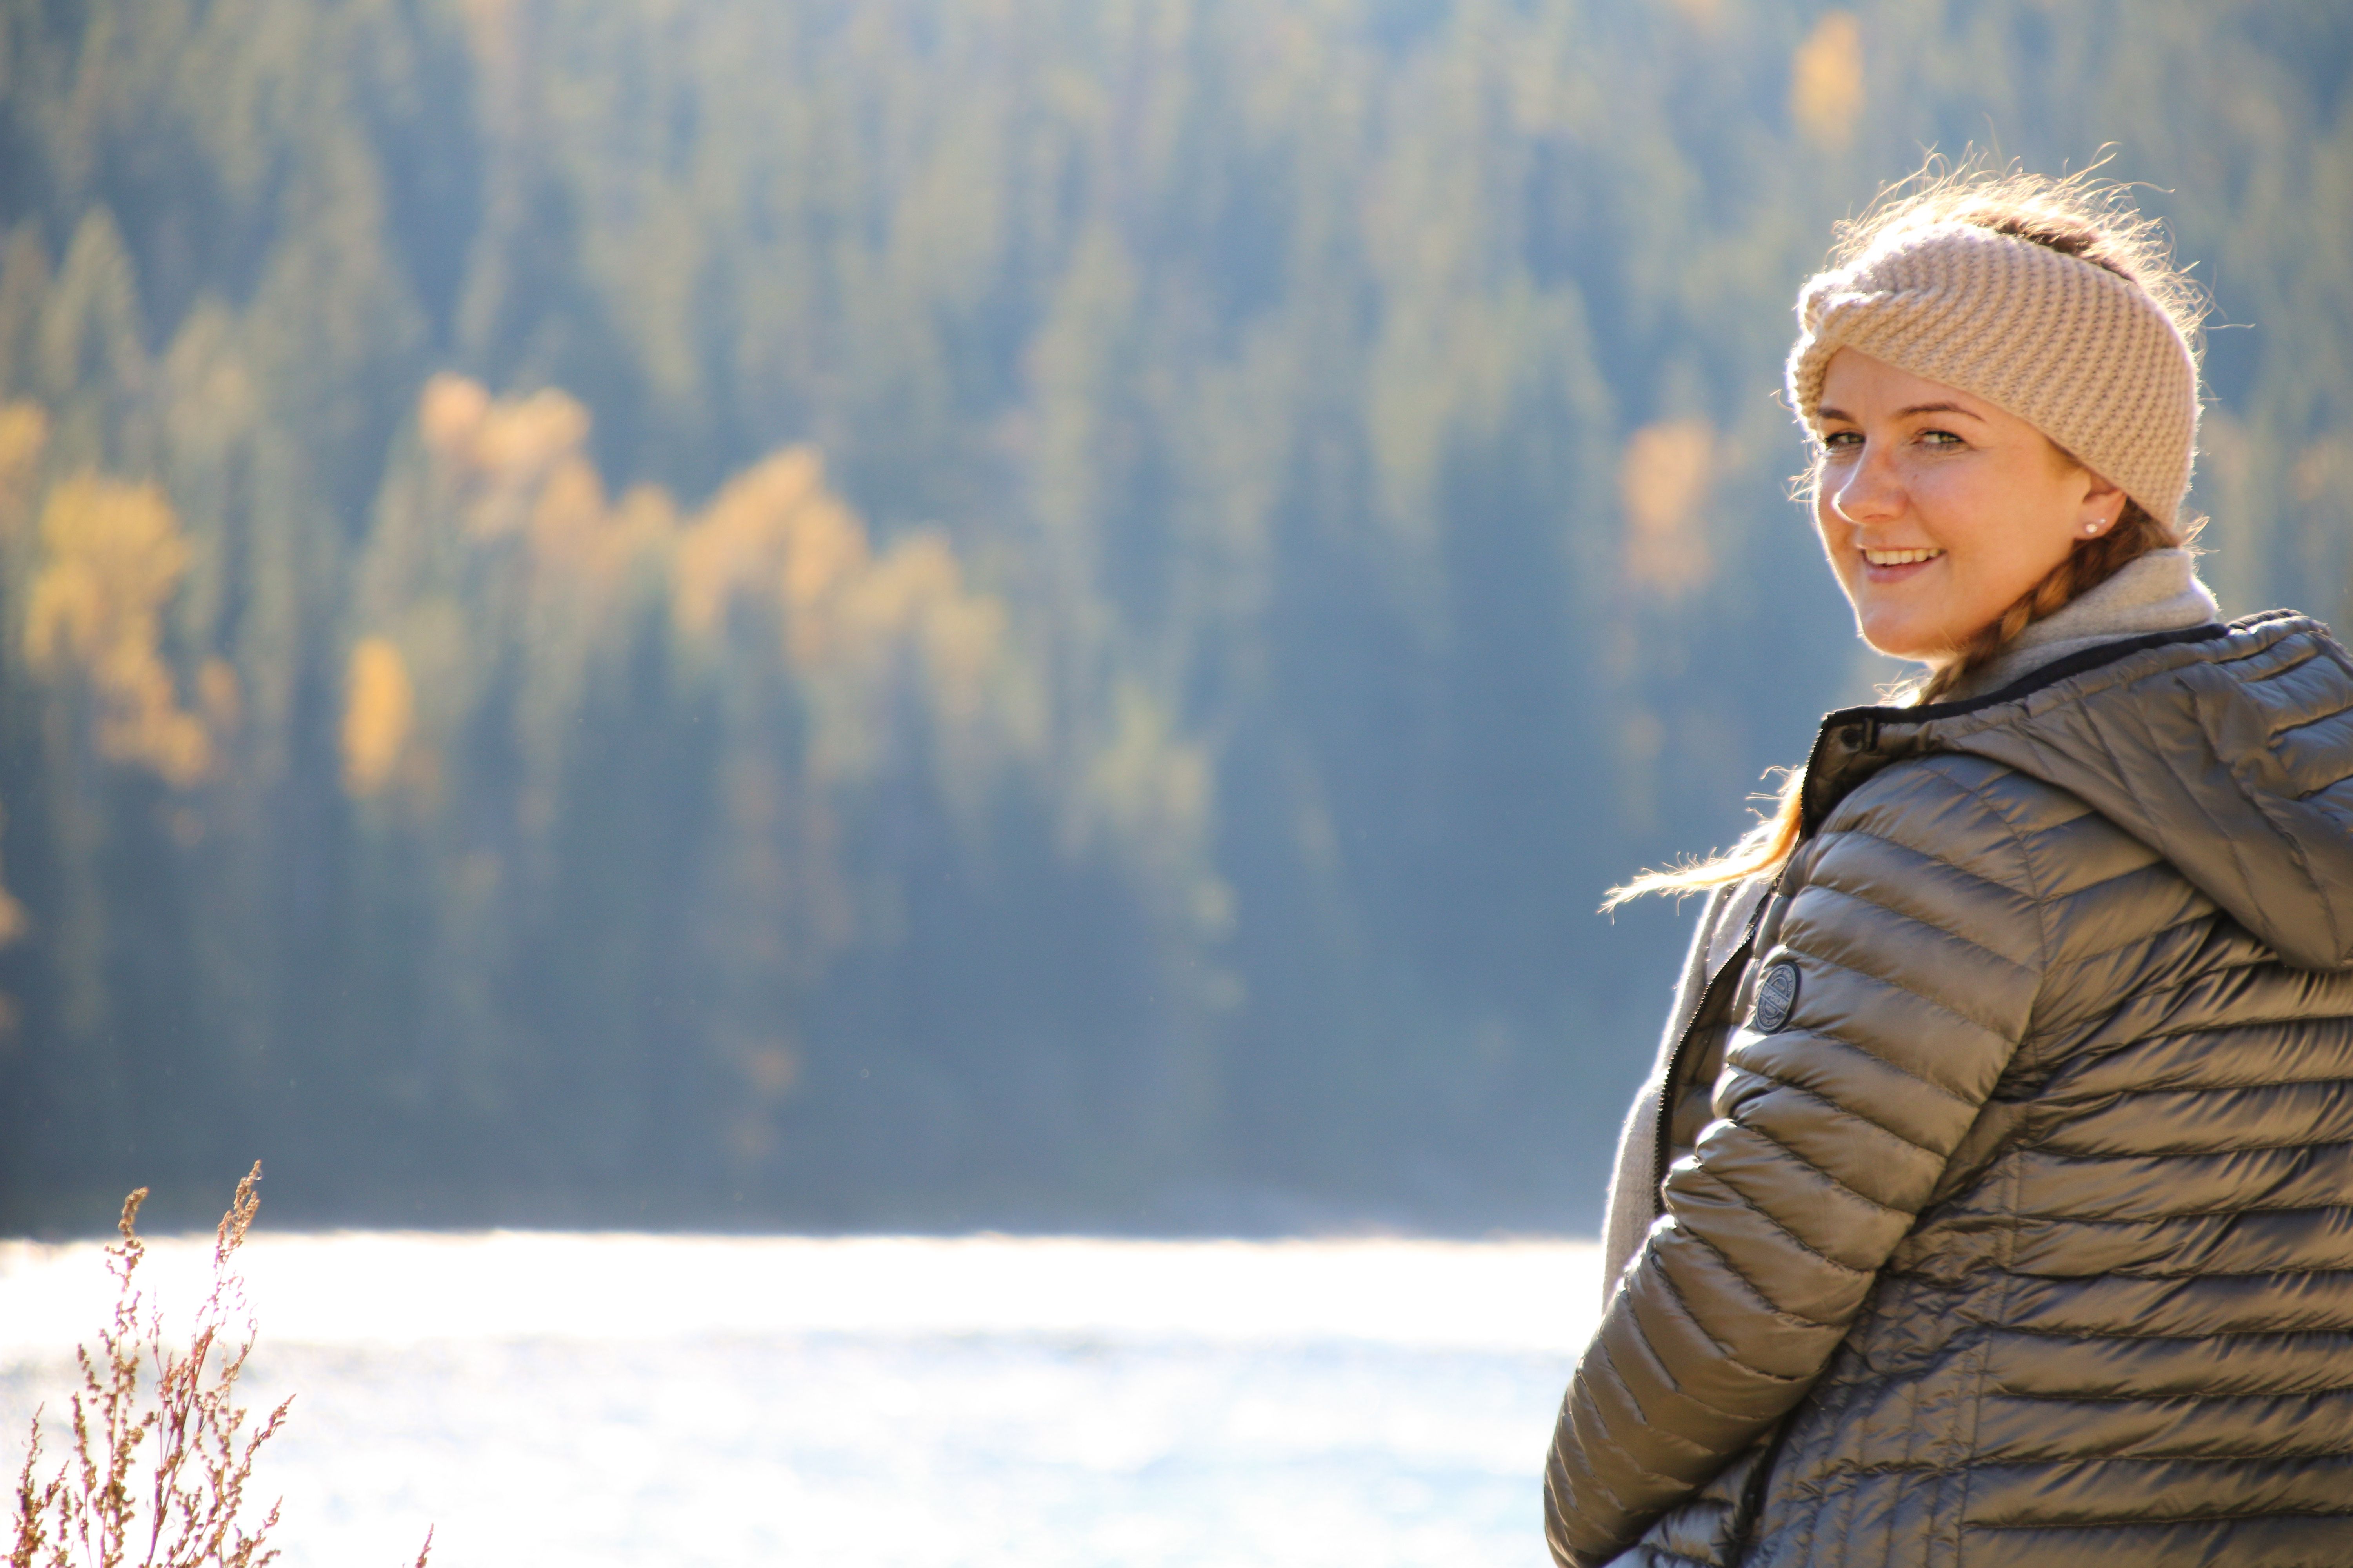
point(158, 1477)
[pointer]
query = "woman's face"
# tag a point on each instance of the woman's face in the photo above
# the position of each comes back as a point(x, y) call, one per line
point(1939, 509)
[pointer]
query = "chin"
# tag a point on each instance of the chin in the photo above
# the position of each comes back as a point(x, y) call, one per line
point(1900, 635)
point(1896, 641)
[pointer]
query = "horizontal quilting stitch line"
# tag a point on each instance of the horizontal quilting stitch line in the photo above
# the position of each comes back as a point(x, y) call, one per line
point(1799, 1242)
point(1784, 1150)
point(2095, 1162)
point(2117, 1225)
point(1756, 1292)
point(1695, 1450)
point(1641, 1472)
point(2247, 1457)
point(1835, 868)
point(1892, 816)
point(2142, 1522)
point(2147, 938)
point(1830, 838)
point(2056, 1141)
point(1665, 1374)
point(2163, 1414)
point(2284, 652)
point(2286, 730)
point(1930, 1467)
point(2124, 1336)
point(2104, 1059)
point(2179, 1085)
point(1682, 1305)
point(2185, 1395)
point(2285, 656)
point(1784, 1076)
point(2207, 1271)
point(1879, 1469)
point(1699, 1326)
point(2238, 1021)
point(2170, 1217)
point(1840, 1107)
point(1969, 774)
point(1795, 929)
point(1739, 1057)
point(2152, 871)
point(2137, 860)
point(2190, 1153)
point(2249, 1275)
point(1787, 1075)
point(2323, 789)
point(2033, 889)
point(1792, 943)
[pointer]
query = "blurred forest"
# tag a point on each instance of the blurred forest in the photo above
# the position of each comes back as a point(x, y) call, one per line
point(858, 613)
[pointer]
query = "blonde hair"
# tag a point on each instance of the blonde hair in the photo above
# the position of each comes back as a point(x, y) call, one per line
point(2077, 216)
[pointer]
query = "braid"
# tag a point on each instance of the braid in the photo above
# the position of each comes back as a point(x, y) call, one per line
point(2092, 563)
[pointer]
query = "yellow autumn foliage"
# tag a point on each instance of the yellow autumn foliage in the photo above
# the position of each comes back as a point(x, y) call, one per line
point(1826, 91)
point(775, 552)
point(509, 449)
point(114, 556)
point(379, 712)
point(14, 923)
point(1663, 481)
point(24, 433)
point(772, 534)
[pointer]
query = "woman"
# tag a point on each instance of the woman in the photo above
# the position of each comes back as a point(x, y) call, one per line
point(2006, 1116)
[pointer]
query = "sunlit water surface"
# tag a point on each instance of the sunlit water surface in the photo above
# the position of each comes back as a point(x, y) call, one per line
point(608, 1400)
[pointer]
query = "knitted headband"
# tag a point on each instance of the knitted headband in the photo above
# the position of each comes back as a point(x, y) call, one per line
point(2083, 355)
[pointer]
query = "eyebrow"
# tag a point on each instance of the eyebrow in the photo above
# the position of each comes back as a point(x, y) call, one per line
point(1826, 411)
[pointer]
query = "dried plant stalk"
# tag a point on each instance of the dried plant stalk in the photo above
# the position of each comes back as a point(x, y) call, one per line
point(184, 1509)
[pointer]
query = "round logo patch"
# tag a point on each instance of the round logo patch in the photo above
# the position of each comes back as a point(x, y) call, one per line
point(1777, 993)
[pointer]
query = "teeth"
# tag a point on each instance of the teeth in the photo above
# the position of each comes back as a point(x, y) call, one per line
point(1899, 557)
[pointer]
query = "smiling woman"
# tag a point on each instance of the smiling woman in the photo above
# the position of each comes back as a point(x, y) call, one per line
point(1938, 509)
point(1988, 1204)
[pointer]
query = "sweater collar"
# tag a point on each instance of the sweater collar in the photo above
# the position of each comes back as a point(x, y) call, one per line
point(2158, 591)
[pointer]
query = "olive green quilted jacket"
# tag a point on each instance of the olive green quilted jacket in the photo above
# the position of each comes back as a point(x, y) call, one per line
point(2021, 1228)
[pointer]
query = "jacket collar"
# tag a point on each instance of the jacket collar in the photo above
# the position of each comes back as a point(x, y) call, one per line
point(2227, 750)
point(1848, 747)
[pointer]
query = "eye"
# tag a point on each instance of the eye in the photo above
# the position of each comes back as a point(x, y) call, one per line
point(1839, 443)
point(1940, 440)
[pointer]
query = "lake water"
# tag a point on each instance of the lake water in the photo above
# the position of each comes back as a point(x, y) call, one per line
point(875, 1402)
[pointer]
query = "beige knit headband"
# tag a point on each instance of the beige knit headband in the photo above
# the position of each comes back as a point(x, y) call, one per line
point(2083, 355)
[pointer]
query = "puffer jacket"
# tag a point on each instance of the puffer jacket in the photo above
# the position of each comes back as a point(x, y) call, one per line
point(2019, 1230)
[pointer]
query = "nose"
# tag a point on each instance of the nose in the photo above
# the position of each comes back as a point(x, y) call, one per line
point(1865, 490)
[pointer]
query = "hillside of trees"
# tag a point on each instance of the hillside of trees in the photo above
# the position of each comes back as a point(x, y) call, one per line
point(937, 613)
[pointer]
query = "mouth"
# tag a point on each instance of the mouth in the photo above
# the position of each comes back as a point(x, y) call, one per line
point(1896, 566)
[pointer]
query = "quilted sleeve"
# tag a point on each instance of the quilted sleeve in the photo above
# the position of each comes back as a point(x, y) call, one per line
point(1914, 935)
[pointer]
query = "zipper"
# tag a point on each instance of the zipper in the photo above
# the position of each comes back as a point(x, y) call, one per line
point(1732, 966)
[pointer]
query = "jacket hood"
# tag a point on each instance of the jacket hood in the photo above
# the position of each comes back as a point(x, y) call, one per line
point(2228, 750)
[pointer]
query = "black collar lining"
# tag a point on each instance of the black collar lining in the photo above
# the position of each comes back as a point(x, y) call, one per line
point(2034, 680)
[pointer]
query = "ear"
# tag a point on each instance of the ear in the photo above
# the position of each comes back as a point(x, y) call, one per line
point(2102, 505)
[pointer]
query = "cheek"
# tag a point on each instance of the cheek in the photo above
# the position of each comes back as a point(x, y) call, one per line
point(1832, 534)
point(2007, 537)
point(1833, 530)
